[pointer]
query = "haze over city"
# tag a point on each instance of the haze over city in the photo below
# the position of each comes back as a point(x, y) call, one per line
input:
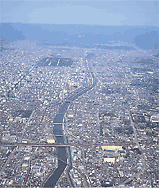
point(79, 93)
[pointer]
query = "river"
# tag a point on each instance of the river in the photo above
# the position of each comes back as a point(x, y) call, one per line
point(57, 131)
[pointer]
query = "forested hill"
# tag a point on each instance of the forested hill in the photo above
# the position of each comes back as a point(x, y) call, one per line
point(144, 37)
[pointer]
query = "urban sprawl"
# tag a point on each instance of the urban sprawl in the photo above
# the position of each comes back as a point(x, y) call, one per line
point(110, 132)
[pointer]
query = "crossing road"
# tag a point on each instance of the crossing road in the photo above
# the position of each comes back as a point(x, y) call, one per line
point(50, 144)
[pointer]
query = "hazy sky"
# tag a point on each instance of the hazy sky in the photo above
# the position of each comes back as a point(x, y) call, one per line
point(81, 12)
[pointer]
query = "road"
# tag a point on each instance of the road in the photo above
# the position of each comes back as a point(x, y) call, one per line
point(136, 175)
point(13, 144)
point(50, 145)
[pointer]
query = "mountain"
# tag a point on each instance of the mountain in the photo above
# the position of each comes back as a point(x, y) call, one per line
point(144, 37)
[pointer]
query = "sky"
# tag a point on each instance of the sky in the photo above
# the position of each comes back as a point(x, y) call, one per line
point(90, 12)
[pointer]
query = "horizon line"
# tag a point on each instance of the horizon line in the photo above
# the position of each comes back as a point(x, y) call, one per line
point(79, 24)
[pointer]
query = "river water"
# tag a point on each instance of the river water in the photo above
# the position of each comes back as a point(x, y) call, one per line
point(57, 131)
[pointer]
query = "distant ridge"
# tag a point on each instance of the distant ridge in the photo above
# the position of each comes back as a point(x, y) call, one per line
point(81, 35)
